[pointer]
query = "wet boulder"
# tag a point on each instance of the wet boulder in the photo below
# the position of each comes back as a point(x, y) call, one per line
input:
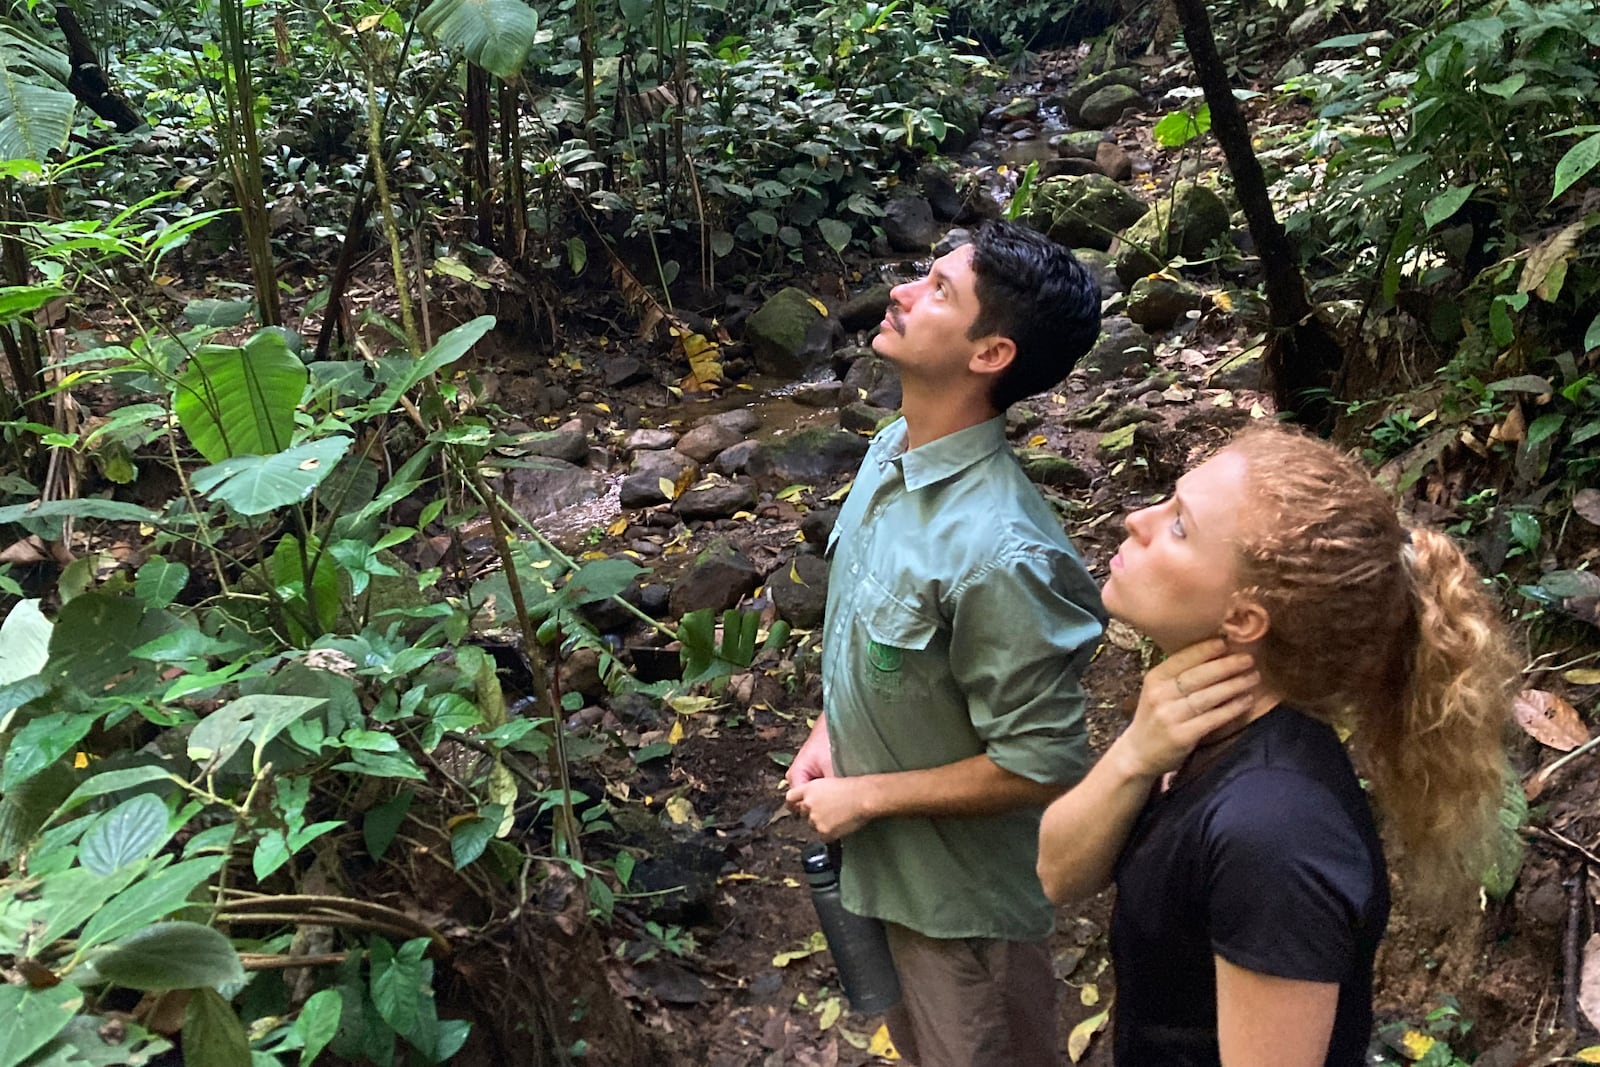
point(1185, 225)
point(777, 332)
point(865, 310)
point(649, 440)
point(1158, 302)
point(567, 445)
point(718, 500)
point(1073, 100)
point(1044, 467)
point(735, 459)
point(863, 417)
point(908, 225)
point(547, 485)
point(1077, 144)
point(718, 579)
point(809, 456)
point(1087, 211)
point(873, 379)
point(800, 590)
point(1114, 161)
point(655, 477)
point(1107, 105)
point(619, 371)
point(705, 441)
point(1122, 347)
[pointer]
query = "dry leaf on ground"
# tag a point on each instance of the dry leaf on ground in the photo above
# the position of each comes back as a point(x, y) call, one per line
point(1550, 720)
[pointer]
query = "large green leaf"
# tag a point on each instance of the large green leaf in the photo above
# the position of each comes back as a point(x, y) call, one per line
point(82, 1044)
point(131, 831)
point(318, 1022)
point(171, 955)
point(29, 1018)
point(495, 34)
point(240, 401)
point(40, 743)
point(255, 485)
point(257, 718)
point(36, 111)
point(19, 300)
point(24, 642)
point(212, 1032)
point(147, 901)
point(87, 508)
point(449, 348)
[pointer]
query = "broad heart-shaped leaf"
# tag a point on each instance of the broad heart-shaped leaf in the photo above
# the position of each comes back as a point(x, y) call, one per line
point(453, 345)
point(212, 1032)
point(24, 642)
point(255, 485)
point(836, 233)
point(240, 401)
point(396, 979)
point(29, 1018)
point(171, 955)
point(495, 34)
point(318, 1022)
point(131, 831)
point(257, 718)
point(159, 581)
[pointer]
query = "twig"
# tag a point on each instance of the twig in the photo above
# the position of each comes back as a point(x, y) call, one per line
point(1561, 839)
point(256, 961)
point(1544, 773)
point(1570, 976)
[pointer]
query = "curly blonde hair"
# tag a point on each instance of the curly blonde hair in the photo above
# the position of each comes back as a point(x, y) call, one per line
point(1387, 632)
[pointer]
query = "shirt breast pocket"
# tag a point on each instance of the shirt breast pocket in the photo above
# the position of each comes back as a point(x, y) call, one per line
point(897, 636)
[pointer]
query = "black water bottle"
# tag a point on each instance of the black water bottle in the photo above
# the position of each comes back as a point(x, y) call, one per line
point(859, 945)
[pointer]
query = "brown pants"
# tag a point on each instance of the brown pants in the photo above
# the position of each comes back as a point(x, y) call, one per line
point(973, 1002)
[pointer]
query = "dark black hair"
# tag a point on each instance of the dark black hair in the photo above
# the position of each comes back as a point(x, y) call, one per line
point(1035, 292)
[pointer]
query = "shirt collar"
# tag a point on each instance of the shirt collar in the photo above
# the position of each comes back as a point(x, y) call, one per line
point(947, 456)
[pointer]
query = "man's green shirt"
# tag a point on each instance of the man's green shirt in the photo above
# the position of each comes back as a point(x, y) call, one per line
point(959, 617)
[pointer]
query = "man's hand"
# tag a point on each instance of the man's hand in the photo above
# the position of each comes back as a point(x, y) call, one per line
point(835, 807)
point(815, 758)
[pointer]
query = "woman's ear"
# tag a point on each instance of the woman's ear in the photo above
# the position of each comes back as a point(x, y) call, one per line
point(1246, 622)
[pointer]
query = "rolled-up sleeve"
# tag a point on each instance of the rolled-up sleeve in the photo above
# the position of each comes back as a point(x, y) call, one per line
point(1020, 638)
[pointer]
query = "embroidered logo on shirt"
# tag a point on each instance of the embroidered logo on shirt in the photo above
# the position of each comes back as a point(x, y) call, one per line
point(884, 657)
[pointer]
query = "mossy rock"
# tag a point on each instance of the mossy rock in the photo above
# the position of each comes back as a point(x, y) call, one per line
point(1072, 102)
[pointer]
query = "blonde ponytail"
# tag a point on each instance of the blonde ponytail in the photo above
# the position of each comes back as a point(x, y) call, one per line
point(1389, 634)
point(1438, 766)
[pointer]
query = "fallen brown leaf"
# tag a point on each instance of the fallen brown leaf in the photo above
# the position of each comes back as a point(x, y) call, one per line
point(1550, 720)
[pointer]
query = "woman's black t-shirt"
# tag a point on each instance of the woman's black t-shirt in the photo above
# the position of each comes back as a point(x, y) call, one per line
point(1268, 858)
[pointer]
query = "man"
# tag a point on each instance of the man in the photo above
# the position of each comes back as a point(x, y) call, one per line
point(959, 617)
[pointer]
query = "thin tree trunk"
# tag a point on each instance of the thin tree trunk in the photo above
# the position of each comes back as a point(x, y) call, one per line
point(1304, 358)
point(480, 129)
point(88, 81)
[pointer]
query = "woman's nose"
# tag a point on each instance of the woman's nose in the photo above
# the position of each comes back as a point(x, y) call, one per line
point(1138, 522)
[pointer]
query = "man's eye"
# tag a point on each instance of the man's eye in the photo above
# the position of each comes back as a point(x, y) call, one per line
point(1177, 527)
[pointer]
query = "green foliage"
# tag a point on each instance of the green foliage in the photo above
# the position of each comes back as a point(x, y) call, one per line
point(495, 34)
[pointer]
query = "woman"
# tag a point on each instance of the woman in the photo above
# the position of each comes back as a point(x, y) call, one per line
point(1251, 885)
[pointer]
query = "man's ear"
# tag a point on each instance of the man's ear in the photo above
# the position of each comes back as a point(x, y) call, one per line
point(1246, 622)
point(996, 355)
